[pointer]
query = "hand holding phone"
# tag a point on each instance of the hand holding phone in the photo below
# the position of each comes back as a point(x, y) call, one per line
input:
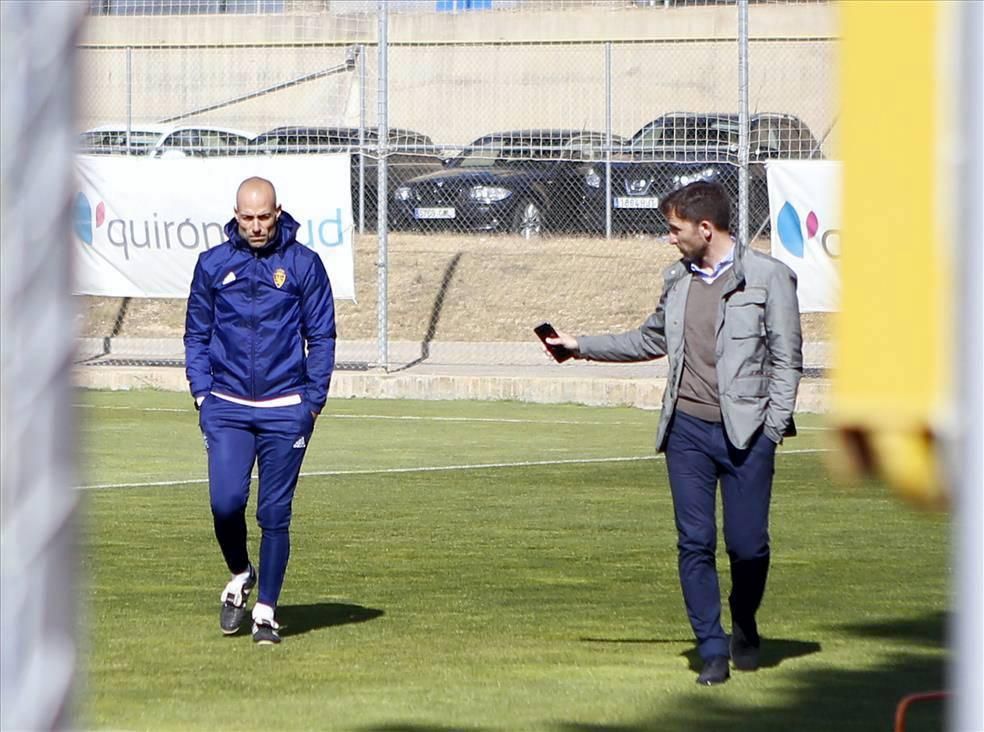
point(559, 353)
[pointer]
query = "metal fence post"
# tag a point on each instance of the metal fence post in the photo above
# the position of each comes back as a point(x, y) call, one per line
point(129, 98)
point(743, 124)
point(608, 139)
point(381, 195)
point(362, 139)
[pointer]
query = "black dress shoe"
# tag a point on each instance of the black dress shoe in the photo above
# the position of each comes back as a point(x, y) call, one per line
point(715, 671)
point(744, 652)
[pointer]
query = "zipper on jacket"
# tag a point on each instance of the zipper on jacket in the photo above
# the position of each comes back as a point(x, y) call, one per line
point(252, 323)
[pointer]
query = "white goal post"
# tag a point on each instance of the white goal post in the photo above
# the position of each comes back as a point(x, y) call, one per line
point(38, 548)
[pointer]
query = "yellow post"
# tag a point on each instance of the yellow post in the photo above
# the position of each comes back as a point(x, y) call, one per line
point(892, 380)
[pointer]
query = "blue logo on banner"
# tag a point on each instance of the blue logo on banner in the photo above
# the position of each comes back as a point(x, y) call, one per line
point(791, 229)
point(82, 218)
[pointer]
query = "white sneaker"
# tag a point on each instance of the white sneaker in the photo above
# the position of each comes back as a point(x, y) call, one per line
point(265, 628)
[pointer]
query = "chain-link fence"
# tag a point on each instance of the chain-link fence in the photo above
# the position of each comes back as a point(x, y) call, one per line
point(527, 147)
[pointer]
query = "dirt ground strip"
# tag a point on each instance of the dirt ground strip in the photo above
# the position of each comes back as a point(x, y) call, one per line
point(467, 287)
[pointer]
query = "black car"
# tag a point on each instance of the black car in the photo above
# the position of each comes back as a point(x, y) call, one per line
point(677, 149)
point(409, 154)
point(521, 181)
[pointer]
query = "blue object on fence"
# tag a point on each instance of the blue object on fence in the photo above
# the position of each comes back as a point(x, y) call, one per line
point(451, 6)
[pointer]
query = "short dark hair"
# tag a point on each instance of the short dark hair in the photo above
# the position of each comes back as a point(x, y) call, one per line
point(700, 201)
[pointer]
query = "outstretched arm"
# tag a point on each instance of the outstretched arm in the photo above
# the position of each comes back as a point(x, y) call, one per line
point(645, 343)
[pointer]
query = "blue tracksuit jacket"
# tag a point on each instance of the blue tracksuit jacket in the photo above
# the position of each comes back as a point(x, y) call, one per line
point(250, 314)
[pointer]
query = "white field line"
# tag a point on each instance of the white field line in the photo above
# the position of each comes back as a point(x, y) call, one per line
point(424, 469)
point(418, 418)
point(134, 409)
point(405, 417)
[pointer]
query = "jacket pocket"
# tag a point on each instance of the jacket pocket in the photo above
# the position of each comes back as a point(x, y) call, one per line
point(750, 387)
point(745, 314)
point(307, 417)
point(201, 410)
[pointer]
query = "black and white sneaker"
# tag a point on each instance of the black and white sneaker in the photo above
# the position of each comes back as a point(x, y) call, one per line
point(265, 628)
point(234, 596)
point(266, 632)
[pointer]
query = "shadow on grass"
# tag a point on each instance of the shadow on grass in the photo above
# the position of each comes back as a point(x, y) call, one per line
point(774, 651)
point(398, 727)
point(299, 619)
point(817, 700)
point(644, 641)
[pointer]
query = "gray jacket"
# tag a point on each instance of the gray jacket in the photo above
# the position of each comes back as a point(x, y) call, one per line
point(759, 346)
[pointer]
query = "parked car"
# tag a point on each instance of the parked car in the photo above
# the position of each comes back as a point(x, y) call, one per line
point(164, 140)
point(677, 149)
point(203, 142)
point(521, 181)
point(410, 154)
point(115, 139)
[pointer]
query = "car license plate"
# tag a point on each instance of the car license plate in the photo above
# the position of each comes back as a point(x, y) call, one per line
point(640, 202)
point(433, 213)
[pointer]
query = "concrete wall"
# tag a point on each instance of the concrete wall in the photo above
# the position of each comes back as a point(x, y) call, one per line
point(457, 76)
point(644, 393)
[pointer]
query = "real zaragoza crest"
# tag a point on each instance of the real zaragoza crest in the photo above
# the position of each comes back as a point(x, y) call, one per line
point(279, 277)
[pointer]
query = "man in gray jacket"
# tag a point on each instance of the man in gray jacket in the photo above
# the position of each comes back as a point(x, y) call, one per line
point(728, 323)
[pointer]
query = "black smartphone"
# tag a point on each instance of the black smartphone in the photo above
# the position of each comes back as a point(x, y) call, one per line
point(544, 331)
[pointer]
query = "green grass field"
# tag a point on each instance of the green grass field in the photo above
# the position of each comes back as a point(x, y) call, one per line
point(522, 588)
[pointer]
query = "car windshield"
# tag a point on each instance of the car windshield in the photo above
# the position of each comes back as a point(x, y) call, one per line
point(117, 139)
point(782, 138)
point(685, 132)
point(339, 140)
point(484, 156)
point(297, 142)
point(488, 152)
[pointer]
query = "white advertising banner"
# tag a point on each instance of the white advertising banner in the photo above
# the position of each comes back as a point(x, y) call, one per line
point(140, 223)
point(805, 206)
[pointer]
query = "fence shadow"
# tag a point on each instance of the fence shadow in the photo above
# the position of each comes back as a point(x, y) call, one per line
point(435, 313)
point(814, 700)
point(820, 700)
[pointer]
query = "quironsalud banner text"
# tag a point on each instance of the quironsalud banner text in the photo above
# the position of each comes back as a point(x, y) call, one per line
point(140, 223)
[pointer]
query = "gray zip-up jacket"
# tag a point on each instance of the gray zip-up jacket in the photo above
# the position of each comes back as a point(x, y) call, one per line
point(759, 346)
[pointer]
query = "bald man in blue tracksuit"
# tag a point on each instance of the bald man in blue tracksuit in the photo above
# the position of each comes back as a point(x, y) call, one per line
point(259, 353)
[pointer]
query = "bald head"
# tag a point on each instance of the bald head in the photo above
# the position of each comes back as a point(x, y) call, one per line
point(256, 189)
point(257, 211)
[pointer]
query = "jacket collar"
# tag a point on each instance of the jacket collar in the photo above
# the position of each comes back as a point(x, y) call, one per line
point(735, 277)
point(285, 236)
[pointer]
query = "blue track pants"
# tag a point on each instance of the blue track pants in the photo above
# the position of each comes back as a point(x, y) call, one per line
point(237, 437)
